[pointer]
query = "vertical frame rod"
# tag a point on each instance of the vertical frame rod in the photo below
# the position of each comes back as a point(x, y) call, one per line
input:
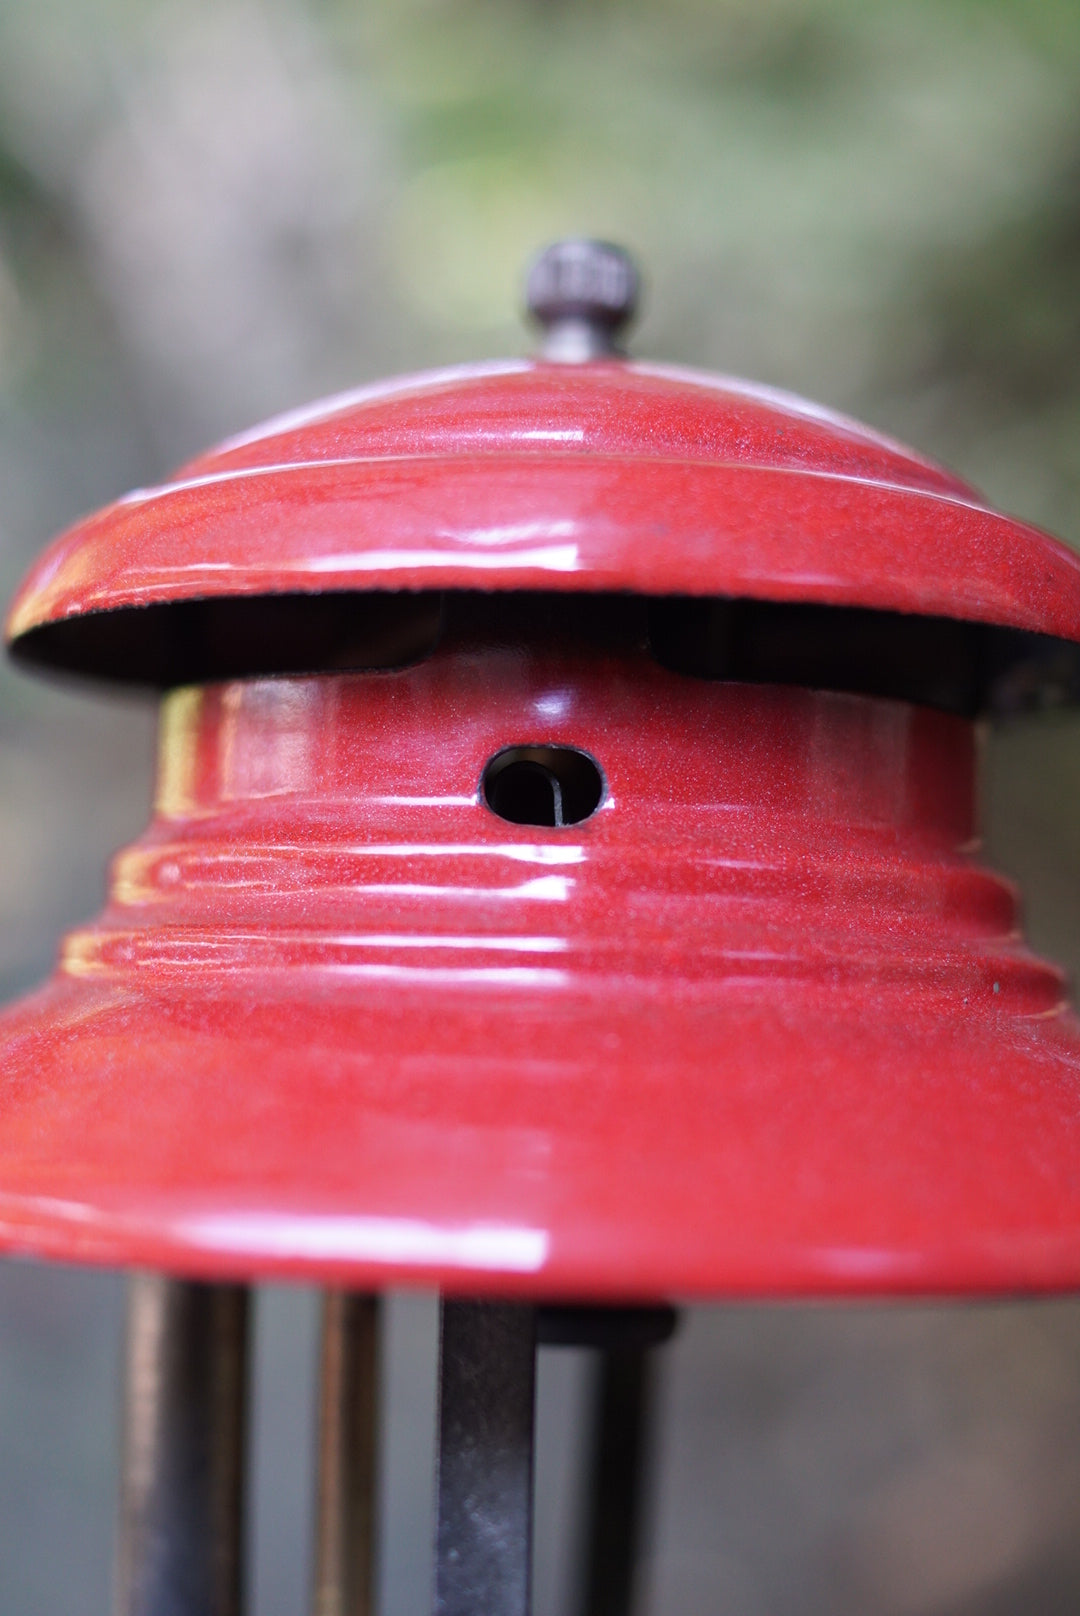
point(487, 1388)
point(348, 1434)
point(181, 1512)
point(621, 1420)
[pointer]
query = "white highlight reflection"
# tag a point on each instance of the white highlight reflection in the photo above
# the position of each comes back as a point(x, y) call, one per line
point(496, 944)
point(541, 434)
point(519, 852)
point(545, 888)
point(497, 976)
point(543, 527)
point(555, 704)
point(494, 1246)
point(390, 800)
point(549, 557)
point(498, 1247)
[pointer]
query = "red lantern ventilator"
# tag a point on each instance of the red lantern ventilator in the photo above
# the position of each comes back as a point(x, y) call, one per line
point(560, 892)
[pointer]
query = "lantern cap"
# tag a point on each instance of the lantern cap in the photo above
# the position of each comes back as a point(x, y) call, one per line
point(601, 476)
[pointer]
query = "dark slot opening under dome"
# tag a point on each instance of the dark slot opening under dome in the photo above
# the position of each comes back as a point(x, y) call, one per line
point(956, 666)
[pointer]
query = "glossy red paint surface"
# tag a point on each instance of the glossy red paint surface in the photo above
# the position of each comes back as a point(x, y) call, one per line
point(604, 476)
point(759, 1026)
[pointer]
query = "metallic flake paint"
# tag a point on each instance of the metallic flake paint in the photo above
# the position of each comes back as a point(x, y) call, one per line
point(759, 1026)
point(605, 476)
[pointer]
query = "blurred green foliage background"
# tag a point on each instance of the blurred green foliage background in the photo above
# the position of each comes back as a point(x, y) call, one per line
point(214, 209)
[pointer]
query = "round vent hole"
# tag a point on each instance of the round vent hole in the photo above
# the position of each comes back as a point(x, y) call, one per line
point(543, 785)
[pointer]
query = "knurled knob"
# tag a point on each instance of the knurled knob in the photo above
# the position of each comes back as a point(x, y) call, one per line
point(583, 294)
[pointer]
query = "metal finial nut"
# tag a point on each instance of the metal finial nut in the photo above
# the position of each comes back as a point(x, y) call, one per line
point(583, 294)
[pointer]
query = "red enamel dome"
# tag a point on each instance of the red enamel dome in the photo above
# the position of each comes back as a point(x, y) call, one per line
point(605, 476)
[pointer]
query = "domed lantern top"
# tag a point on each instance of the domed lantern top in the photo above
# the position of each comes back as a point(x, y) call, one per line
point(561, 877)
point(606, 475)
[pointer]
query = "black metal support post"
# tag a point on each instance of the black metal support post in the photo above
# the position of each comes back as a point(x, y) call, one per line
point(181, 1518)
point(348, 1430)
point(485, 1463)
point(615, 1489)
point(621, 1407)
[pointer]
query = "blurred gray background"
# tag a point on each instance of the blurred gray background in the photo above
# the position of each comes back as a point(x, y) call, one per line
point(214, 209)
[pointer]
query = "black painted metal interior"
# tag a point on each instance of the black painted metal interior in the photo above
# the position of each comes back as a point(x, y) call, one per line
point(960, 667)
point(200, 641)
